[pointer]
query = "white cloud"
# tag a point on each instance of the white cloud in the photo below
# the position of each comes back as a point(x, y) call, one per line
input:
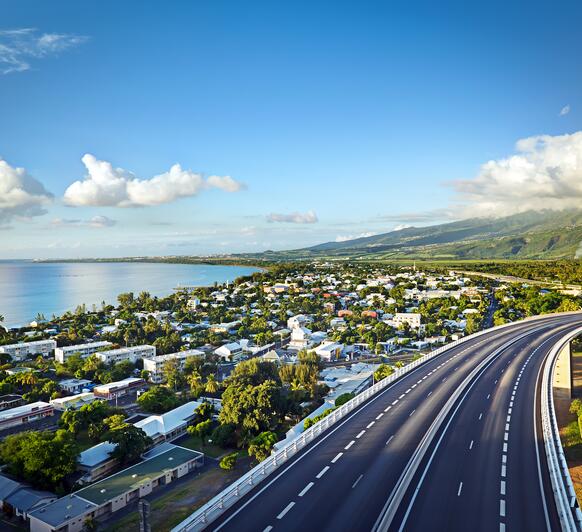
point(545, 173)
point(18, 47)
point(105, 185)
point(21, 195)
point(565, 110)
point(345, 238)
point(98, 222)
point(434, 215)
point(308, 217)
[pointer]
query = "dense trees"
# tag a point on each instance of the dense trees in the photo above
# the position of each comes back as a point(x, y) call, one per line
point(44, 459)
point(158, 400)
point(261, 445)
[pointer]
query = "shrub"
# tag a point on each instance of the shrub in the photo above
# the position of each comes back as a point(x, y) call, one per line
point(228, 462)
point(343, 399)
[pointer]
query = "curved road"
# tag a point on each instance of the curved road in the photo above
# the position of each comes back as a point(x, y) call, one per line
point(481, 471)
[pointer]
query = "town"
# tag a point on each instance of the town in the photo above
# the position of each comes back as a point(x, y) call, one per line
point(104, 407)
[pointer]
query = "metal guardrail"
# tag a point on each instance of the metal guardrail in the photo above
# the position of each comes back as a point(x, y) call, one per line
point(214, 508)
point(564, 493)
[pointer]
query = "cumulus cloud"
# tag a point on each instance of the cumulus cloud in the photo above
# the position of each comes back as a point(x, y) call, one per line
point(345, 238)
point(98, 222)
point(308, 217)
point(565, 110)
point(21, 195)
point(19, 47)
point(545, 173)
point(105, 185)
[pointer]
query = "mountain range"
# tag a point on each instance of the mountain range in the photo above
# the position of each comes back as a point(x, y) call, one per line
point(530, 235)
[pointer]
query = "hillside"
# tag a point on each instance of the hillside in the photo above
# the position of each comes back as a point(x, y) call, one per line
point(530, 235)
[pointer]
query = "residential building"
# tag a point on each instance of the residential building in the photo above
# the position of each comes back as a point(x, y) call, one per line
point(10, 400)
point(62, 353)
point(160, 467)
point(329, 351)
point(155, 364)
point(298, 321)
point(171, 425)
point(114, 356)
point(21, 415)
point(75, 385)
point(412, 318)
point(231, 352)
point(22, 351)
point(117, 389)
point(300, 339)
point(73, 402)
point(96, 462)
point(26, 500)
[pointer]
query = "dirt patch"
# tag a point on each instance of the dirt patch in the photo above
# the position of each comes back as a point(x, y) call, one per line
point(173, 505)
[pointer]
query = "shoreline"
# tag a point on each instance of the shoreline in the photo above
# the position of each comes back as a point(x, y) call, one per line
point(172, 290)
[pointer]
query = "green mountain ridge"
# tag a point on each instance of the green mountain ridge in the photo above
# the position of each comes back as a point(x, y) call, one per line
point(530, 235)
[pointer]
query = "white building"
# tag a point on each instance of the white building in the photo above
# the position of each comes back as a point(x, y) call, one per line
point(25, 350)
point(73, 402)
point(329, 351)
point(132, 354)
point(62, 353)
point(171, 425)
point(74, 385)
point(298, 321)
point(300, 339)
point(25, 414)
point(155, 364)
point(230, 352)
point(116, 389)
point(412, 318)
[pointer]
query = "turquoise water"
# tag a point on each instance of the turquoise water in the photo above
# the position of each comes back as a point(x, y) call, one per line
point(27, 288)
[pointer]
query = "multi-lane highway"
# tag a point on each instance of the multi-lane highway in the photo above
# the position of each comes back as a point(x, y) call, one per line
point(483, 468)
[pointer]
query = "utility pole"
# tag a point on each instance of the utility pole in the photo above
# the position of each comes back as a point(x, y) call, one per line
point(144, 516)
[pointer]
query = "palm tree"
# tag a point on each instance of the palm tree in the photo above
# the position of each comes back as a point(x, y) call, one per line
point(212, 385)
point(194, 380)
point(28, 378)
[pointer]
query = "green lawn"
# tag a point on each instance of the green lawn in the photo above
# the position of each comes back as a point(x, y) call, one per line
point(209, 449)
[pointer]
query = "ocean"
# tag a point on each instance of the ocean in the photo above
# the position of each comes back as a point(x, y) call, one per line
point(28, 288)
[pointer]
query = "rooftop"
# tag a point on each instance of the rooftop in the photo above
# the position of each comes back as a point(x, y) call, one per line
point(166, 423)
point(134, 476)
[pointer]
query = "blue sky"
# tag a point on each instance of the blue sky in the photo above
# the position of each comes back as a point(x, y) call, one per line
point(332, 119)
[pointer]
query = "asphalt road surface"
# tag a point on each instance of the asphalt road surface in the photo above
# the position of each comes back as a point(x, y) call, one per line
point(343, 480)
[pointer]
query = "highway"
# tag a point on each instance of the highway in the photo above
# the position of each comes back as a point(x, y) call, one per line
point(351, 478)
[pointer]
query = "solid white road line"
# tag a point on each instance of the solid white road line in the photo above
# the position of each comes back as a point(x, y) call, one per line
point(306, 489)
point(287, 508)
point(357, 480)
point(337, 457)
point(322, 472)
